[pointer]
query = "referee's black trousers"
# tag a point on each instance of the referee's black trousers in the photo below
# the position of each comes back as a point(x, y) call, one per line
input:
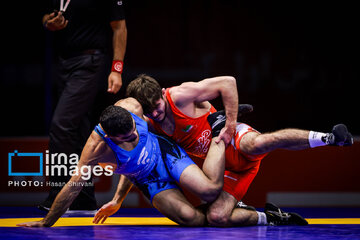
point(81, 87)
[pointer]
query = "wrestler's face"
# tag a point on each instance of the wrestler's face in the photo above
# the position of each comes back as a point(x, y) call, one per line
point(131, 136)
point(159, 113)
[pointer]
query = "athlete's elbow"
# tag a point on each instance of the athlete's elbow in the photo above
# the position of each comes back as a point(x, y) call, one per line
point(212, 192)
point(230, 80)
point(228, 83)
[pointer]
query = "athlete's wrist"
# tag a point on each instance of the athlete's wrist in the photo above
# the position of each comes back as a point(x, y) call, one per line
point(117, 199)
point(231, 124)
point(117, 66)
point(46, 223)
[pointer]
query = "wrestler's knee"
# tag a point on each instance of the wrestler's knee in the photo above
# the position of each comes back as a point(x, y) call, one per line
point(217, 218)
point(258, 144)
point(189, 217)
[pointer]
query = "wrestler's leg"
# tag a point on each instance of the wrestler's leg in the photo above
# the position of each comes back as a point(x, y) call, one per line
point(222, 213)
point(173, 204)
point(254, 143)
point(291, 139)
point(294, 139)
point(208, 182)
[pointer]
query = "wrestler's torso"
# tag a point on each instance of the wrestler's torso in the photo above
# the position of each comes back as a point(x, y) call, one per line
point(183, 128)
point(139, 161)
point(194, 135)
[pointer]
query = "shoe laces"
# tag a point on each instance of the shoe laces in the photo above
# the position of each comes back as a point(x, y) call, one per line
point(241, 204)
point(279, 217)
point(283, 215)
point(329, 139)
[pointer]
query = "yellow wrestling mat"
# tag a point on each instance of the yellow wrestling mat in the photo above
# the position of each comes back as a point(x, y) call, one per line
point(87, 221)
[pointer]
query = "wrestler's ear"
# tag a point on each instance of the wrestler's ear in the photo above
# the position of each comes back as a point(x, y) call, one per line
point(163, 91)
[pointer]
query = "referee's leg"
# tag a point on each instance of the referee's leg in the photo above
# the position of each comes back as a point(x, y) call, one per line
point(71, 126)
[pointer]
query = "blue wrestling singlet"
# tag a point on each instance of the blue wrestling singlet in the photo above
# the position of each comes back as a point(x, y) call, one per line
point(154, 165)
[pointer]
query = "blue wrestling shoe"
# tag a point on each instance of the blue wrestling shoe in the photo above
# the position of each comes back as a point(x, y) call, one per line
point(275, 216)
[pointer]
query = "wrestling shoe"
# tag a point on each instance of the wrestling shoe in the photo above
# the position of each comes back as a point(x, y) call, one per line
point(275, 216)
point(241, 204)
point(43, 208)
point(339, 136)
point(70, 212)
point(217, 120)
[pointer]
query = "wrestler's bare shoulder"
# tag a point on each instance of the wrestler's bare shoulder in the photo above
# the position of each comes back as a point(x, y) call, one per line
point(130, 104)
point(97, 145)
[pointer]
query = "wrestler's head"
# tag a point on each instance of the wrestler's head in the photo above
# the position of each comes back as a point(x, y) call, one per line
point(118, 124)
point(148, 92)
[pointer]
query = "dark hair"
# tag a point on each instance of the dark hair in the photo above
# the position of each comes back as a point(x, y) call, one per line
point(146, 90)
point(116, 120)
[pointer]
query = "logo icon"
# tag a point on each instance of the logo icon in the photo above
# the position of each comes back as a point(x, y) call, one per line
point(23, 158)
point(187, 128)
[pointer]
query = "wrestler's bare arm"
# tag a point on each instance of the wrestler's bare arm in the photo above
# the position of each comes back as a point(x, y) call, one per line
point(190, 94)
point(114, 205)
point(89, 157)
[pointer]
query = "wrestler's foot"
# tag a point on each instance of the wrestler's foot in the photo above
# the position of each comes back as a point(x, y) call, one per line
point(241, 204)
point(275, 216)
point(217, 120)
point(339, 136)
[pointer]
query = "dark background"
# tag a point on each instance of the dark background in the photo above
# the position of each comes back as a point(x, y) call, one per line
point(296, 61)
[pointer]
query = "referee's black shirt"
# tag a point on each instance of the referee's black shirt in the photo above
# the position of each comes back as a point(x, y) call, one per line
point(89, 25)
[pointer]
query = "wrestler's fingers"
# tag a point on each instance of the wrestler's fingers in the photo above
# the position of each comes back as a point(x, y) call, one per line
point(22, 225)
point(223, 136)
point(100, 211)
point(105, 217)
point(97, 218)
